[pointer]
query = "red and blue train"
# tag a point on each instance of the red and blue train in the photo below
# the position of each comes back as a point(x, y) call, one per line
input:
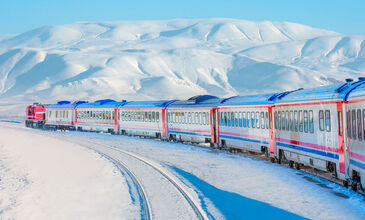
point(322, 127)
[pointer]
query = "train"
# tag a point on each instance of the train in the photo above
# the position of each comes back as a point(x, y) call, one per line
point(321, 127)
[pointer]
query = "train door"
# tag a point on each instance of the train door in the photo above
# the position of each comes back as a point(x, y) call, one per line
point(164, 123)
point(342, 145)
point(214, 119)
point(271, 130)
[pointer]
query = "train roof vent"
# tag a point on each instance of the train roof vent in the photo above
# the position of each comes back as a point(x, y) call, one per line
point(361, 78)
point(63, 102)
point(348, 80)
point(200, 98)
point(104, 101)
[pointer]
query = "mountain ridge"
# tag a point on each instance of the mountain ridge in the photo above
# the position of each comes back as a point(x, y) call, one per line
point(170, 59)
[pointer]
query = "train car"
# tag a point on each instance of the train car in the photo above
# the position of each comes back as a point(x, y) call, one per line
point(355, 129)
point(144, 118)
point(61, 115)
point(309, 127)
point(194, 120)
point(100, 116)
point(35, 115)
point(246, 123)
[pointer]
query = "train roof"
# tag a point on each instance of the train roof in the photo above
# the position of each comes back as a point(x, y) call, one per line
point(148, 104)
point(261, 99)
point(103, 103)
point(335, 91)
point(196, 102)
point(358, 91)
point(65, 104)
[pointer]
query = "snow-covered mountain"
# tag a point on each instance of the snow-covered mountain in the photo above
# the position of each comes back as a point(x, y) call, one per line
point(172, 59)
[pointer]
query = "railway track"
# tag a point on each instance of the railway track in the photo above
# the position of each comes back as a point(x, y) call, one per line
point(180, 188)
point(145, 207)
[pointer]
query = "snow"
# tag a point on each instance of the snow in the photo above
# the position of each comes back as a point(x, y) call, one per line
point(169, 59)
point(221, 178)
point(45, 178)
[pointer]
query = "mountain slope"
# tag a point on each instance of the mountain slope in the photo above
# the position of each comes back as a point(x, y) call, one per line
point(172, 59)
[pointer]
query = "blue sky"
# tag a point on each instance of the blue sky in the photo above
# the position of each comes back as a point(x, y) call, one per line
point(344, 16)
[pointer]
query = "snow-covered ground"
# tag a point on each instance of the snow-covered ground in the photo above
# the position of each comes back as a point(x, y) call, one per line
point(46, 178)
point(229, 186)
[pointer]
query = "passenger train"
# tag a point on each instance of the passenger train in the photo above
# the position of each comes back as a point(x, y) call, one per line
point(322, 127)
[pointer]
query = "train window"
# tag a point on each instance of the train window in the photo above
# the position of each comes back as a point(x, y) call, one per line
point(353, 117)
point(229, 118)
point(149, 116)
point(287, 120)
point(244, 119)
point(262, 114)
point(157, 116)
point(291, 120)
point(279, 120)
point(56, 114)
point(236, 119)
point(225, 119)
point(321, 120)
point(146, 116)
point(311, 125)
point(349, 124)
point(196, 118)
point(189, 117)
point(248, 119)
point(327, 115)
point(296, 120)
point(300, 115)
point(222, 119)
point(283, 120)
point(257, 120)
point(339, 123)
point(153, 116)
point(232, 119)
point(359, 125)
point(267, 119)
point(199, 118)
point(103, 115)
point(305, 114)
point(240, 119)
point(253, 123)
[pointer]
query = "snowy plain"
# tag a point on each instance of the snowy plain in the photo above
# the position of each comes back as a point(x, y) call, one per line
point(228, 186)
point(45, 178)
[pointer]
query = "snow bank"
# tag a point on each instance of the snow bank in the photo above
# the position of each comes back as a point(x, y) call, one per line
point(45, 178)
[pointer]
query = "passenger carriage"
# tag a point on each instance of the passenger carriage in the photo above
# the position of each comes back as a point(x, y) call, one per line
point(246, 123)
point(309, 127)
point(98, 116)
point(194, 120)
point(355, 123)
point(61, 115)
point(144, 118)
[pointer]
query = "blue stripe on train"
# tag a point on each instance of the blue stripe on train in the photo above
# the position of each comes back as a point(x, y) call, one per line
point(190, 133)
point(358, 164)
point(244, 139)
point(318, 152)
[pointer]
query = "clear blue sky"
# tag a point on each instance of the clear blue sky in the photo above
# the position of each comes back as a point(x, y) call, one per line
point(344, 16)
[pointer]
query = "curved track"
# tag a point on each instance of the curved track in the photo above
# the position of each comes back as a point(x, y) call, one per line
point(195, 206)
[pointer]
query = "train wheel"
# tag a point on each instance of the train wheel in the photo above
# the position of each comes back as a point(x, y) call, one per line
point(297, 166)
point(291, 164)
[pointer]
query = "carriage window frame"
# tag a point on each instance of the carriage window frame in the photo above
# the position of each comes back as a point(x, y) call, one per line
point(291, 120)
point(236, 119)
point(359, 125)
point(305, 121)
point(296, 120)
point(311, 121)
point(321, 120)
point(327, 118)
point(262, 117)
point(244, 119)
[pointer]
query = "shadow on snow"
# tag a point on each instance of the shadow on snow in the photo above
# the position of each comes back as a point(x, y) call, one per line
point(233, 205)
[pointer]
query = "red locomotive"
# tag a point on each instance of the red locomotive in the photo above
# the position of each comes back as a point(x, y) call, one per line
point(35, 115)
